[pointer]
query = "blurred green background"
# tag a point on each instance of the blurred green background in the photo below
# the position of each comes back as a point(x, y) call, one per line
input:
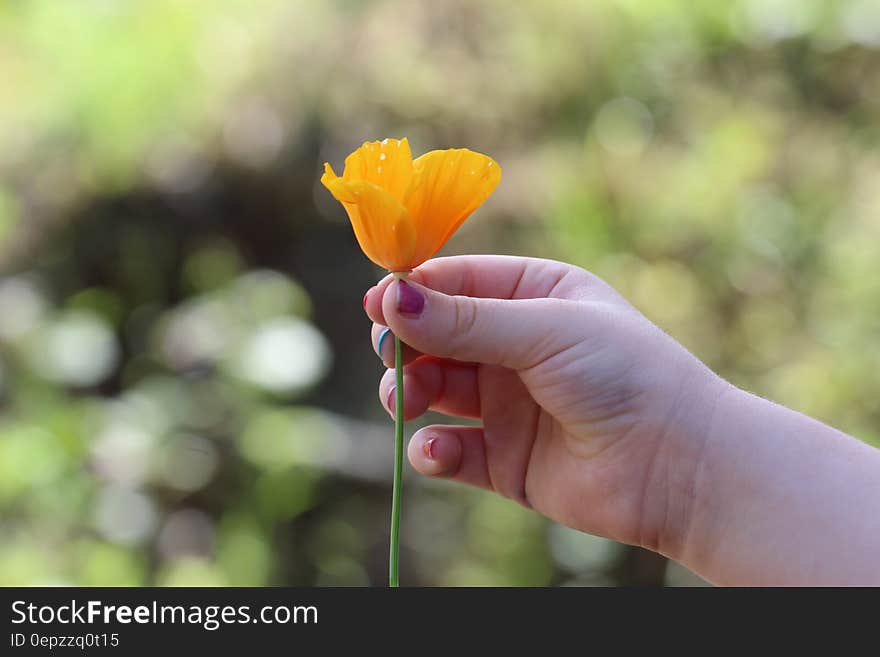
point(187, 385)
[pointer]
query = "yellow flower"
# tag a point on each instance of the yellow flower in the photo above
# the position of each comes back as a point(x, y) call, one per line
point(403, 211)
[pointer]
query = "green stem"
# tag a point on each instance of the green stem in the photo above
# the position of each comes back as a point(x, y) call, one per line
point(394, 557)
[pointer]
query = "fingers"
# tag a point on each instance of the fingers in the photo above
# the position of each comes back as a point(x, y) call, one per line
point(516, 334)
point(498, 277)
point(451, 452)
point(383, 345)
point(495, 456)
point(429, 383)
point(493, 276)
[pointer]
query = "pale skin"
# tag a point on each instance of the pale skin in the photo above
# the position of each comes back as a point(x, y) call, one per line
point(597, 419)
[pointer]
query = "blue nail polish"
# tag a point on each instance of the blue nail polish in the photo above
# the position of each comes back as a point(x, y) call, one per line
point(384, 334)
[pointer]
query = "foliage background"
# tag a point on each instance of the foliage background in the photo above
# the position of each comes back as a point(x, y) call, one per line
point(188, 388)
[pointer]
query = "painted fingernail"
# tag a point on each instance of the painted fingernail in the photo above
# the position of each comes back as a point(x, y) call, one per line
point(384, 334)
point(409, 300)
point(390, 400)
point(366, 296)
point(428, 448)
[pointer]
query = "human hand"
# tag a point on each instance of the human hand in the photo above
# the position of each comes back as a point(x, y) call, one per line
point(590, 414)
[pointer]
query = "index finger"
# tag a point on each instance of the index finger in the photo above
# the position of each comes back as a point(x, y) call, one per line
point(497, 277)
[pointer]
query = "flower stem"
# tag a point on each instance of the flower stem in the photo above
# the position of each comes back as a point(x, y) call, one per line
point(394, 549)
point(394, 557)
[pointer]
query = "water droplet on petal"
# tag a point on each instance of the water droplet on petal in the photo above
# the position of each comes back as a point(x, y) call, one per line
point(381, 156)
point(385, 141)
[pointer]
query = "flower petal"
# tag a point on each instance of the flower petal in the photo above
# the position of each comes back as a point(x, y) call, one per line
point(382, 226)
point(387, 164)
point(336, 185)
point(447, 187)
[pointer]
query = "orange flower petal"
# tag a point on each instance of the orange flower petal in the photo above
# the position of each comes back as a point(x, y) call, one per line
point(387, 164)
point(447, 187)
point(336, 185)
point(382, 226)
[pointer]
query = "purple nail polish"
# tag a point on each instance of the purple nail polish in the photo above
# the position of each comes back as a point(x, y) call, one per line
point(390, 400)
point(409, 300)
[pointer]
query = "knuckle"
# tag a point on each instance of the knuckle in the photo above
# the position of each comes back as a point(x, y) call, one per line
point(464, 321)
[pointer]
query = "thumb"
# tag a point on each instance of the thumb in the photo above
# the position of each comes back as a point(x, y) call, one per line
point(513, 333)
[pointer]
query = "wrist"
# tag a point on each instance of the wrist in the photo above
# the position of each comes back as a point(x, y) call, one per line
point(679, 489)
point(776, 496)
